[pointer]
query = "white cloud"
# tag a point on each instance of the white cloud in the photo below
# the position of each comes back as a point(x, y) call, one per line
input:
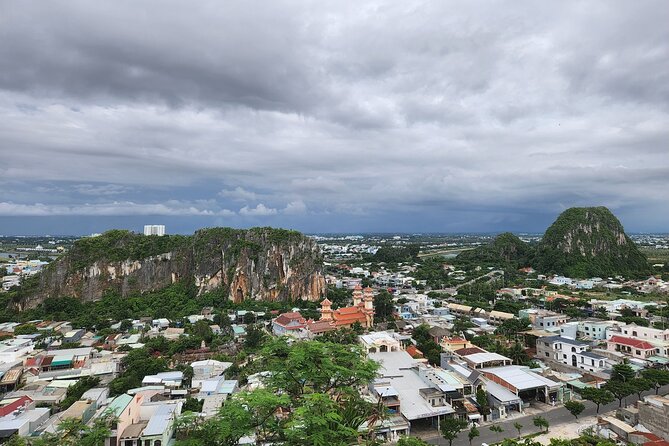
point(295, 208)
point(108, 209)
point(259, 211)
point(239, 194)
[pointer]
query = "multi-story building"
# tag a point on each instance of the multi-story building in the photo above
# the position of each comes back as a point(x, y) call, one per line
point(543, 319)
point(158, 230)
point(597, 329)
point(570, 352)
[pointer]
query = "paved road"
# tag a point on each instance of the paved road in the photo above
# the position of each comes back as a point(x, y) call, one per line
point(555, 417)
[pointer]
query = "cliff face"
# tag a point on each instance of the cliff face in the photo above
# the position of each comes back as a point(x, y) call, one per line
point(586, 242)
point(259, 263)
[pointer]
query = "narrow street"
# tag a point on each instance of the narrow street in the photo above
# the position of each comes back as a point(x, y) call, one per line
point(555, 417)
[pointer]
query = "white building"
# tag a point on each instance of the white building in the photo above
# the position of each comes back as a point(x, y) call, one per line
point(158, 230)
point(570, 352)
point(13, 349)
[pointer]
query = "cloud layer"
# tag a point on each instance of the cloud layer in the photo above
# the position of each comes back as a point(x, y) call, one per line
point(431, 116)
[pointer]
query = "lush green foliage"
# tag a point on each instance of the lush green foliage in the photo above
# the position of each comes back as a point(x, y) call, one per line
point(574, 407)
point(431, 350)
point(396, 254)
point(136, 365)
point(506, 249)
point(597, 396)
point(75, 391)
point(589, 242)
point(310, 398)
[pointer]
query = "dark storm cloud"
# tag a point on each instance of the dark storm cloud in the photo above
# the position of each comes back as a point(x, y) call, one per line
point(335, 114)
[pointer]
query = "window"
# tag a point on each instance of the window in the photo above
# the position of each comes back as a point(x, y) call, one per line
point(638, 352)
point(547, 355)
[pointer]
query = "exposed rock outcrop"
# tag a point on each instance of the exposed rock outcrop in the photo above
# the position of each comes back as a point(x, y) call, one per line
point(259, 263)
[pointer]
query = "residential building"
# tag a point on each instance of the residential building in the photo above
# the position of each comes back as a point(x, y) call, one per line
point(597, 329)
point(636, 348)
point(654, 413)
point(543, 319)
point(12, 350)
point(292, 324)
point(570, 352)
point(525, 384)
point(158, 230)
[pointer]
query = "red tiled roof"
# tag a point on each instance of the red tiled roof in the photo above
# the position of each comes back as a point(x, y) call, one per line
point(468, 351)
point(347, 310)
point(321, 326)
point(414, 352)
point(326, 301)
point(636, 343)
point(286, 318)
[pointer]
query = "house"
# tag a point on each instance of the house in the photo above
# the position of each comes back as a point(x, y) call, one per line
point(497, 317)
point(525, 384)
point(596, 329)
point(150, 424)
point(654, 413)
point(381, 341)
point(291, 324)
point(637, 348)
point(418, 400)
point(570, 352)
point(12, 350)
point(23, 422)
point(483, 359)
point(168, 379)
point(454, 343)
point(543, 319)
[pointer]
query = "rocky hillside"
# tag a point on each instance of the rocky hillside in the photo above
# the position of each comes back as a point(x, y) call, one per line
point(506, 248)
point(259, 263)
point(588, 242)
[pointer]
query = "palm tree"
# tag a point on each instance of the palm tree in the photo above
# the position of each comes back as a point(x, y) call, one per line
point(518, 427)
point(517, 353)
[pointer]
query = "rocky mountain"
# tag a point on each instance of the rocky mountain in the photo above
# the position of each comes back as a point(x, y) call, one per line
point(259, 263)
point(506, 248)
point(588, 242)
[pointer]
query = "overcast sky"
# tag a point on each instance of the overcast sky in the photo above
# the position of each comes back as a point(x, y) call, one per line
point(444, 116)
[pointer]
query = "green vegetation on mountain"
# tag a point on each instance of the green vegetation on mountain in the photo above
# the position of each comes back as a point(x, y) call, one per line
point(588, 242)
point(396, 254)
point(505, 249)
point(582, 242)
point(258, 263)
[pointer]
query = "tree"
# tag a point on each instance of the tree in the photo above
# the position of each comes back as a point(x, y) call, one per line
point(518, 427)
point(450, 428)
point(203, 331)
point(316, 367)
point(383, 306)
point(482, 401)
point(620, 390)
point(622, 372)
point(574, 407)
point(541, 423)
point(472, 434)
point(597, 396)
point(254, 338)
point(511, 327)
point(517, 354)
point(641, 385)
point(658, 377)
point(496, 428)
point(126, 325)
point(25, 329)
point(411, 441)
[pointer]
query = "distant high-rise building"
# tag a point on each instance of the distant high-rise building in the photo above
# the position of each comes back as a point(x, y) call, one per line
point(154, 230)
